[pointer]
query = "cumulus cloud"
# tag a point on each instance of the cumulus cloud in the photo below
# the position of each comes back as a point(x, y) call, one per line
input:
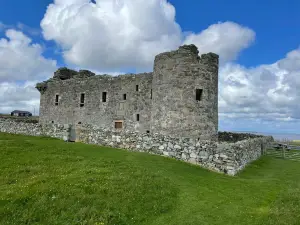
point(264, 93)
point(112, 34)
point(128, 34)
point(20, 59)
point(22, 65)
point(291, 62)
point(19, 96)
point(227, 39)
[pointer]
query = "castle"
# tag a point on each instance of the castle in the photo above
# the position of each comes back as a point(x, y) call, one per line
point(178, 99)
point(172, 112)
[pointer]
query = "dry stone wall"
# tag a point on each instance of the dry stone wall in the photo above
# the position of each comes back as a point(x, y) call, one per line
point(185, 149)
point(34, 129)
point(223, 157)
point(235, 137)
point(243, 152)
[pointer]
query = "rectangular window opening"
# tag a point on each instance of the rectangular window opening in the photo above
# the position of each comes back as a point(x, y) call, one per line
point(124, 96)
point(82, 96)
point(104, 96)
point(151, 94)
point(137, 117)
point(199, 94)
point(118, 125)
point(56, 99)
point(137, 87)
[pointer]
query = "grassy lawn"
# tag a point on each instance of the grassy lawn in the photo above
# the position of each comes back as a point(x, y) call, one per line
point(48, 181)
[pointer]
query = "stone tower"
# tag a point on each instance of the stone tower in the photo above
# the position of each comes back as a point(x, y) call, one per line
point(185, 94)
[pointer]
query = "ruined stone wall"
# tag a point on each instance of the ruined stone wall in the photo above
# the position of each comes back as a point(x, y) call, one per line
point(165, 101)
point(95, 111)
point(228, 158)
point(239, 154)
point(175, 109)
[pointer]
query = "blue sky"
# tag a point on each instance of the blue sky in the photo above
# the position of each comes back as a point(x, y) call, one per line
point(276, 23)
point(259, 80)
point(29, 13)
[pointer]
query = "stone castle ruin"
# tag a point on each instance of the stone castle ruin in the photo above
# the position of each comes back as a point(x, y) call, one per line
point(179, 98)
point(172, 111)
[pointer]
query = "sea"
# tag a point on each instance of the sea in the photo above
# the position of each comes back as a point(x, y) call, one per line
point(277, 136)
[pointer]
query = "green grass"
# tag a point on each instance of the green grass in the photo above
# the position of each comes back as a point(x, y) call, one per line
point(48, 181)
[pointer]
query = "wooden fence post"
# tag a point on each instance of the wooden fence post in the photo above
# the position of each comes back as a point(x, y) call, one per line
point(262, 149)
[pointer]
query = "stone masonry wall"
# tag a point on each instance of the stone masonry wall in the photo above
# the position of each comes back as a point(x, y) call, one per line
point(179, 98)
point(94, 110)
point(241, 153)
point(185, 149)
point(34, 129)
point(235, 137)
point(175, 110)
point(228, 158)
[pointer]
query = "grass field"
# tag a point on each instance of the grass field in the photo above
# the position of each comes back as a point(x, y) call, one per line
point(48, 181)
point(295, 142)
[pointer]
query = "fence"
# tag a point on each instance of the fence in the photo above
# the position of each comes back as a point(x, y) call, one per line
point(284, 151)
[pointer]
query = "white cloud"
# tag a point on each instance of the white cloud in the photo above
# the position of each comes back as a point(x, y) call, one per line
point(30, 30)
point(112, 35)
point(19, 96)
point(226, 39)
point(101, 72)
point(21, 67)
point(121, 34)
point(266, 92)
point(20, 59)
point(291, 62)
